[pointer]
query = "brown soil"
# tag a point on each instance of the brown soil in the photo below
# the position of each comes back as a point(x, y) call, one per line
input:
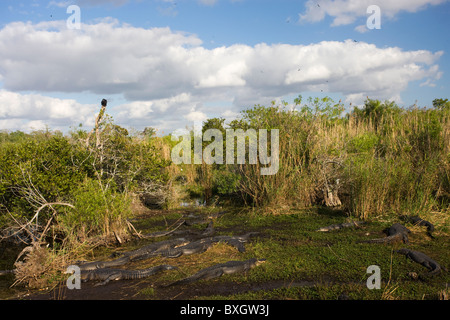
point(133, 290)
point(152, 287)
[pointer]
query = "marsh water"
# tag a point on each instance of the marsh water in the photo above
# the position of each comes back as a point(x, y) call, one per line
point(8, 255)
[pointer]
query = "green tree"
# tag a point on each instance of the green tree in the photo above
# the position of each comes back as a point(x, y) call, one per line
point(441, 104)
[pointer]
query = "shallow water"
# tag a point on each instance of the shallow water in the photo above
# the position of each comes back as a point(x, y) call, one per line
point(193, 203)
point(8, 255)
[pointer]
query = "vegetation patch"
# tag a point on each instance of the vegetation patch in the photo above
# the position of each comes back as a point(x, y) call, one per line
point(86, 195)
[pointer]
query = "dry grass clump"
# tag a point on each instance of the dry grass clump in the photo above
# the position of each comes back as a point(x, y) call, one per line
point(38, 261)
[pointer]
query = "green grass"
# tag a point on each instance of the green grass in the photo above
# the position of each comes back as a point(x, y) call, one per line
point(333, 262)
point(301, 262)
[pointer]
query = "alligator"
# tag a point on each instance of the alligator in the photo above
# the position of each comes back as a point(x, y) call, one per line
point(92, 265)
point(396, 232)
point(221, 269)
point(341, 225)
point(205, 243)
point(155, 249)
point(190, 248)
point(423, 259)
point(235, 241)
point(145, 252)
point(416, 220)
point(105, 274)
point(243, 238)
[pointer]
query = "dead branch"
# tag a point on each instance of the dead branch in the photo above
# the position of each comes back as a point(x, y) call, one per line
point(156, 234)
point(27, 227)
point(97, 125)
point(130, 226)
point(53, 215)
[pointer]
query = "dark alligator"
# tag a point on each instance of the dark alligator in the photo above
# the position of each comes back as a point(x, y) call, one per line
point(92, 265)
point(235, 241)
point(341, 225)
point(416, 220)
point(169, 248)
point(105, 275)
point(396, 232)
point(221, 269)
point(154, 249)
point(142, 253)
point(190, 248)
point(205, 243)
point(423, 259)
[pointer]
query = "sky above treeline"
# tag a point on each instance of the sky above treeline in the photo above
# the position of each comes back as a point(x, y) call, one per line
point(170, 63)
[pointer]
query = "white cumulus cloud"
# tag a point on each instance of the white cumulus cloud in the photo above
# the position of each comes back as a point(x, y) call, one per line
point(348, 11)
point(168, 77)
point(35, 111)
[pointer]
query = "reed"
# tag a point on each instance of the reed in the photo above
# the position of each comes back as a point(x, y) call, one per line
point(380, 159)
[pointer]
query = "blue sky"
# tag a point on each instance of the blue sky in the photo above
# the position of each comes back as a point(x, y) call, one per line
point(165, 63)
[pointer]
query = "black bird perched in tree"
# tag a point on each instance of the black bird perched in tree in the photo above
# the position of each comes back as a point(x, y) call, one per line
point(104, 102)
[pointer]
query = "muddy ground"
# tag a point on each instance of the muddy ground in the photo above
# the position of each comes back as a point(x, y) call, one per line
point(131, 290)
point(152, 287)
point(283, 238)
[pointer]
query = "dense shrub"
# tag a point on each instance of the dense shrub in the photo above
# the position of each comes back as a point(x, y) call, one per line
point(46, 165)
point(96, 212)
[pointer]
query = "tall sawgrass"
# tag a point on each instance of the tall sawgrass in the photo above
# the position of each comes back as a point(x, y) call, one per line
point(379, 159)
